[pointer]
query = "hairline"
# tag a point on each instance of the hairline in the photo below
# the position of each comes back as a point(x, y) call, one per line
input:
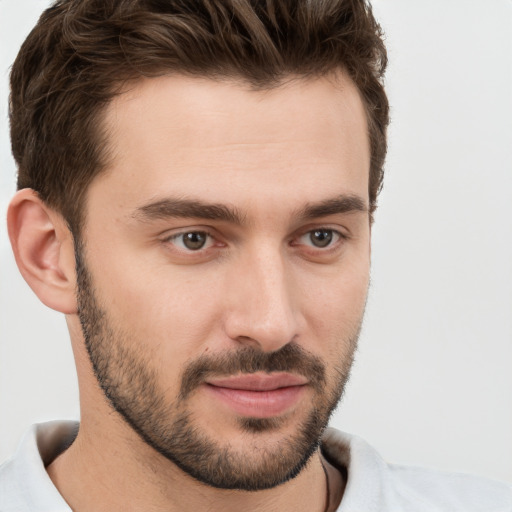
point(103, 132)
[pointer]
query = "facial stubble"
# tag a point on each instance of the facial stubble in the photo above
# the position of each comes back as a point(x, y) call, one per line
point(130, 382)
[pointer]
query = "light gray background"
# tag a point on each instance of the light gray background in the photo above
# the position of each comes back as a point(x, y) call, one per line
point(432, 383)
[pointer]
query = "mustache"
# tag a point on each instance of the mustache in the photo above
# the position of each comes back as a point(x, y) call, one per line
point(290, 358)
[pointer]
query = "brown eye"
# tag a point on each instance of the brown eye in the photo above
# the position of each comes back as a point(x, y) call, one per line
point(194, 240)
point(194, 245)
point(321, 237)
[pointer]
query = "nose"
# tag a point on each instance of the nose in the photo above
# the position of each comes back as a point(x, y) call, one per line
point(262, 310)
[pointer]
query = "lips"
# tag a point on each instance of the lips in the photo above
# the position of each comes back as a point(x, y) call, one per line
point(258, 395)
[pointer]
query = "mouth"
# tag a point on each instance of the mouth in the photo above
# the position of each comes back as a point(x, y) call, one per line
point(258, 395)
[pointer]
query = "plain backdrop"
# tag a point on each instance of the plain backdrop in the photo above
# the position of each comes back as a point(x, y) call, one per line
point(432, 383)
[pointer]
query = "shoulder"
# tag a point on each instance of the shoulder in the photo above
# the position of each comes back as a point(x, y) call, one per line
point(374, 485)
point(24, 484)
point(450, 491)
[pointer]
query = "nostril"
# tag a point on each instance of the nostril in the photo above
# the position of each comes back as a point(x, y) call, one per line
point(246, 340)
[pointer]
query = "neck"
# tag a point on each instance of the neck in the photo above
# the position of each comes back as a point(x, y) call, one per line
point(109, 467)
point(120, 472)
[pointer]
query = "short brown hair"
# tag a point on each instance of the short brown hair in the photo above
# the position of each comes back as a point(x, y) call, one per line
point(82, 52)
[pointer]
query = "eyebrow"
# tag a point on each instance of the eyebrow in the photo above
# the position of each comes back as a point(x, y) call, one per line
point(191, 208)
point(340, 204)
point(188, 208)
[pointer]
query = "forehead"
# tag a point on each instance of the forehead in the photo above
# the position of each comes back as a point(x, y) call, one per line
point(177, 135)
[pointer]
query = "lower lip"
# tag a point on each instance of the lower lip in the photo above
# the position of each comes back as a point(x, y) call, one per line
point(258, 404)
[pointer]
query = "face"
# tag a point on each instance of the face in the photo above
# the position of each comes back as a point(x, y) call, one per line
point(223, 269)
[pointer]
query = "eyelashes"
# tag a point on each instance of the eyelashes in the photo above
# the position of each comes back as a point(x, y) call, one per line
point(191, 240)
point(195, 242)
point(321, 238)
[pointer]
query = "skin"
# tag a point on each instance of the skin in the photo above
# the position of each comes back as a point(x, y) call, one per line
point(261, 283)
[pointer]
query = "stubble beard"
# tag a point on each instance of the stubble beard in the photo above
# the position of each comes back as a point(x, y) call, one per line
point(130, 382)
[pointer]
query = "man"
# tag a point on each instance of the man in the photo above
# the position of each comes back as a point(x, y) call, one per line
point(196, 192)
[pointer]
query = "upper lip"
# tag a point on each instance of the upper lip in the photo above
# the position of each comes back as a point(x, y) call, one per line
point(258, 381)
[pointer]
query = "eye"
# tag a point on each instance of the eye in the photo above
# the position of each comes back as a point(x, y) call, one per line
point(191, 240)
point(320, 238)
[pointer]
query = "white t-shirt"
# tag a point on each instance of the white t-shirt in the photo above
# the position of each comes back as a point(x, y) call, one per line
point(372, 484)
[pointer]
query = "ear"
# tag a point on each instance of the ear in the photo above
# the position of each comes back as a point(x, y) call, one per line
point(43, 249)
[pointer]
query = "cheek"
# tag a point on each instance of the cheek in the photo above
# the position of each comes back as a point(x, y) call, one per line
point(340, 296)
point(168, 312)
point(334, 310)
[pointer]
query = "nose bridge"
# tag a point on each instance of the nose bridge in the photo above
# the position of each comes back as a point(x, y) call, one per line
point(263, 311)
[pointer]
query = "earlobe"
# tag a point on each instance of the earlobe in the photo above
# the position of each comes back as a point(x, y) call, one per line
point(43, 248)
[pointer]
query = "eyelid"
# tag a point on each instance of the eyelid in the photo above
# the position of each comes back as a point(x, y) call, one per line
point(171, 237)
point(170, 233)
point(321, 253)
point(336, 235)
point(343, 233)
